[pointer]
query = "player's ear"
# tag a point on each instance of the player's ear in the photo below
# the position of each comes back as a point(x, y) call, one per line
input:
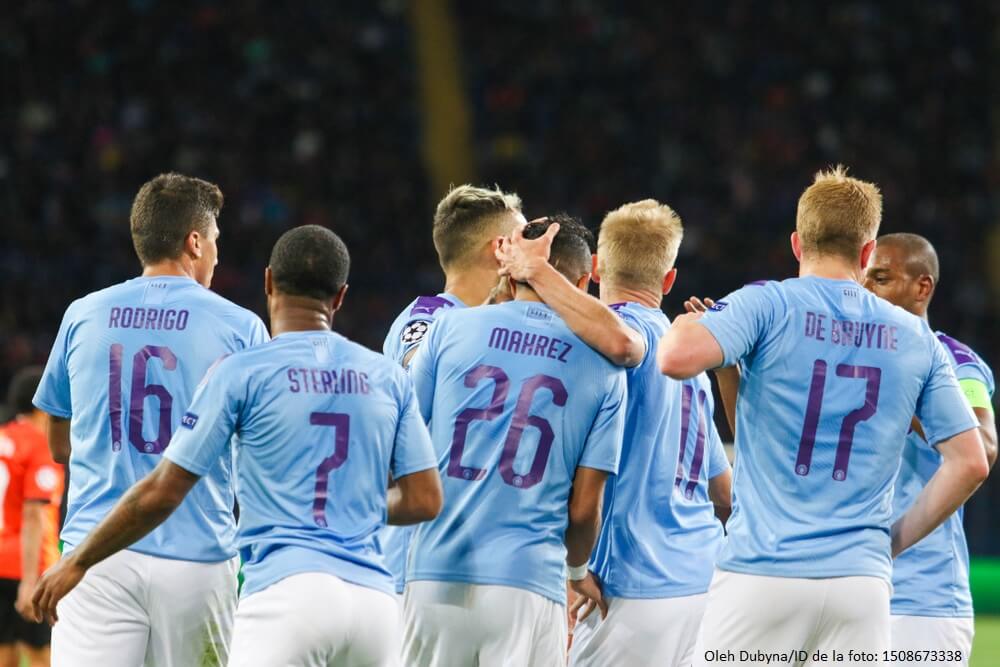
point(925, 287)
point(594, 275)
point(669, 280)
point(338, 298)
point(192, 244)
point(583, 282)
point(268, 281)
point(867, 252)
point(796, 246)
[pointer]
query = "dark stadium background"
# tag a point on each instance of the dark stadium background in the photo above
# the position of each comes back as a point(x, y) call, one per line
point(357, 115)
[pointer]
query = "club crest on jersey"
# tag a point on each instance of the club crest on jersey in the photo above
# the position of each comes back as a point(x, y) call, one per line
point(415, 332)
point(719, 306)
point(189, 420)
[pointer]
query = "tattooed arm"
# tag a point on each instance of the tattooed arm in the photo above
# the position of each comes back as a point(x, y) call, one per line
point(144, 507)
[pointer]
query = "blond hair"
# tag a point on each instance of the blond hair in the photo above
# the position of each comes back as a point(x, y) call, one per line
point(838, 214)
point(638, 244)
point(467, 216)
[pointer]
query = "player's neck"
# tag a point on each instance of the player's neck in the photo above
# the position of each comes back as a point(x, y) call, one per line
point(525, 293)
point(169, 267)
point(471, 285)
point(614, 294)
point(831, 268)
point(296, 313)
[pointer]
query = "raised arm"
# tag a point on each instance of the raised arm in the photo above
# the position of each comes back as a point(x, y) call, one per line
point(144, 507)
point(598, 326)
point(728, 377)
point(963, 469)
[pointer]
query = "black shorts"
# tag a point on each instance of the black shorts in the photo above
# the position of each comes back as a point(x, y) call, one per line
point(13, 627)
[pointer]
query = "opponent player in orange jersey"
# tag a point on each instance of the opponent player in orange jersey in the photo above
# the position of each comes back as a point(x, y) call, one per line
point(31, 486)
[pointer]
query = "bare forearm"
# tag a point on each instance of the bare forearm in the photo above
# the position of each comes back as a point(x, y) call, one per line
point(589, 319)
point(414, 498)
point(138, 512)
point(729, 389)
point(580, 540)
point(32, 524)
point(946, 491)
point(59, 439)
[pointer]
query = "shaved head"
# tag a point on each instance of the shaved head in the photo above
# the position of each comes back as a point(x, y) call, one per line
point(920, 258)
point(904, 271)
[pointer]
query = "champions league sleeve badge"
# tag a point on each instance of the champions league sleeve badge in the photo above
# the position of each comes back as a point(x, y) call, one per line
point(415, 332)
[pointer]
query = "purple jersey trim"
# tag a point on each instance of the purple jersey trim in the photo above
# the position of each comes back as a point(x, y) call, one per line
point(962, 353)
point(757, 283)
point(428, 305)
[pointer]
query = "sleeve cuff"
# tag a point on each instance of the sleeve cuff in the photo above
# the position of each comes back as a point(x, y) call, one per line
point(45, 406)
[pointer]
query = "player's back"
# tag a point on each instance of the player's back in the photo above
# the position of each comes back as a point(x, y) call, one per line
point(317, 418)
point(931, 578)
point(651, 507)
point(27, 473)
point(125, 365)
point(831, 377)
point(516, 402)
point(407, 331)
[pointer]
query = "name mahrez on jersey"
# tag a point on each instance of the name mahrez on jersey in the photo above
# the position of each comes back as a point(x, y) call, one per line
point(524, 342)
point(871, 335)
point(320, 381)
point(168, 319)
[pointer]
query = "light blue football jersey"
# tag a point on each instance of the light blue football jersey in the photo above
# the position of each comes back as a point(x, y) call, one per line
point(831, 378)
point(516, 403)
point(660, 536)
point(124, 366)
point(320, 423)
point(931, 578)
point(406, 332)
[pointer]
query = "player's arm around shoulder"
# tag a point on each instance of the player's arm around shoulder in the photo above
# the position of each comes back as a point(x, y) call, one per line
point(595, 323)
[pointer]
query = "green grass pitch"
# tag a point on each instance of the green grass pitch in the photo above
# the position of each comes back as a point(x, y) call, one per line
point(986, 647)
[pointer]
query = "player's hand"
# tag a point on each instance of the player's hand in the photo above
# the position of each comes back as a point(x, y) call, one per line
point(696, 305)
point(520, 258)
point(23, 603)
point(53, 587)
point(591, 597)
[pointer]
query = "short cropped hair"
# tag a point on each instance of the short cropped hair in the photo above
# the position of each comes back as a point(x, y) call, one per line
point(638, 244)
point(467, 217)
point(22, 390)
point(309, 261)
point(166, 210)
point(571, 247)
point(838, 214)
point(919, 256)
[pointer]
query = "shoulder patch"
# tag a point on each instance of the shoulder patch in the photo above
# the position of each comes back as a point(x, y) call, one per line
point(428, 305)
point(414, 332)
point(719, 306)
point(961, 352)
point(189, 420)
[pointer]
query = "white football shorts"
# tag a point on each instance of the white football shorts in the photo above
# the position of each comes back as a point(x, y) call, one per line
point(135, 609)
point(447, 624)
point(946, 638)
